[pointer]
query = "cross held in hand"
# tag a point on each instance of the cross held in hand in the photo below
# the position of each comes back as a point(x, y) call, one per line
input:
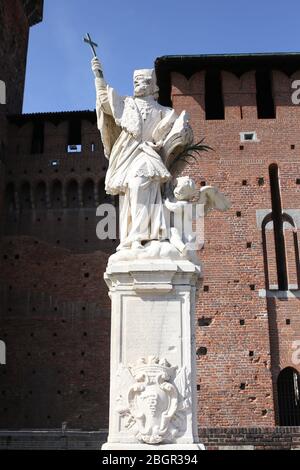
point(92, 44)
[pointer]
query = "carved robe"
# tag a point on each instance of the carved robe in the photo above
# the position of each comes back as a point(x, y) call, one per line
point(133, 131)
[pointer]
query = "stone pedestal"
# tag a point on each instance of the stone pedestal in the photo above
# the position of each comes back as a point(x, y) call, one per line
point(153, 370)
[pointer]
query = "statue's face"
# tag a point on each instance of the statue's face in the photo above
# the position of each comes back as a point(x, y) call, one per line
point(142, 86)
point(144, 83)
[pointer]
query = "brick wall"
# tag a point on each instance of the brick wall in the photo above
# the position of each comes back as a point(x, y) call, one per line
point(278, 438)
point(54, 303)
point(13, 51)
point(55, 311)
point(247, 340)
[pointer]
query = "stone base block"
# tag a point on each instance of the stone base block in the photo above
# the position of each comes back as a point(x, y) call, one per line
point(151, 448)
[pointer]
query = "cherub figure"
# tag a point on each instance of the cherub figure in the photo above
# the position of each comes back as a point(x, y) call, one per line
point(181, 211)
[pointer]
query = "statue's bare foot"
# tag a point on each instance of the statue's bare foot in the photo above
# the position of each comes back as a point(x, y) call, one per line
point(123, 246)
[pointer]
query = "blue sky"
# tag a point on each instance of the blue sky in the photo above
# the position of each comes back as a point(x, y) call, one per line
point(132, 33)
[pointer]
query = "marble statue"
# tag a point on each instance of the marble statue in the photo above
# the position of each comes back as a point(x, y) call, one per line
point(136, 135)
point(155, 274)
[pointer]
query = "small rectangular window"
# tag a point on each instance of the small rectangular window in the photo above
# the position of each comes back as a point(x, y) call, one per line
point(250, 136)
point(74, 148)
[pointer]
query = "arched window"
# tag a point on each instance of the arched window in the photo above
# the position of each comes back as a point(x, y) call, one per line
point(2, 353)
point(88, 195)
point(288, 388)
point(278, 228)
point(40, 195)
point(10, 198)
point(25, 201)
point(2, 92)
point(56, 195)
point(292, 250)
point(72, 194)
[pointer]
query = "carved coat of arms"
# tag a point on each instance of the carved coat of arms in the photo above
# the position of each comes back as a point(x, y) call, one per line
point(153, 399)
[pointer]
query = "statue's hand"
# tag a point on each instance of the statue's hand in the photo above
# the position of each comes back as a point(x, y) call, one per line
point(96, 67)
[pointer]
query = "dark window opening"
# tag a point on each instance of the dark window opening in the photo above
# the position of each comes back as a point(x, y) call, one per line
point(74, 135)
point(72, 194)
point(40, 196)
point(264, 95)
point(288, 388)
point(202, 351)
point(214, 104)
point(25, 199)
point(2, 151)
point(56, 195)
point(88, 194)
point(278, 228)
point(204, 321)
point(37, 143)
point(249, 136)
point(10, 198)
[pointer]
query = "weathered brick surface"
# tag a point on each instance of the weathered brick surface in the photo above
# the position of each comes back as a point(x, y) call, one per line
point(230, 267)
point(55, 311)
point(13, 51)
point(262, 438)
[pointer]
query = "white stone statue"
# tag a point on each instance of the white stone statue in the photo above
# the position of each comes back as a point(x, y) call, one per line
point(185, 194)
point(138, 136)
point(154, 275)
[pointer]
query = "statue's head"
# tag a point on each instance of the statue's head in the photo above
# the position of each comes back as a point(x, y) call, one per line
point(185, 189)
point(144, 82)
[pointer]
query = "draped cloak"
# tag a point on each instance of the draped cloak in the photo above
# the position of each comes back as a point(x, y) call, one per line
point(132, 131)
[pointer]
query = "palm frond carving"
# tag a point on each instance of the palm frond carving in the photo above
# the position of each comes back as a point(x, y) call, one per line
point(192, 151)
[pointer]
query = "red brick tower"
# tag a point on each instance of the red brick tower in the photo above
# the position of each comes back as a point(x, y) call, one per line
point(248, 311)
point(16, 17)
point(54, 308)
